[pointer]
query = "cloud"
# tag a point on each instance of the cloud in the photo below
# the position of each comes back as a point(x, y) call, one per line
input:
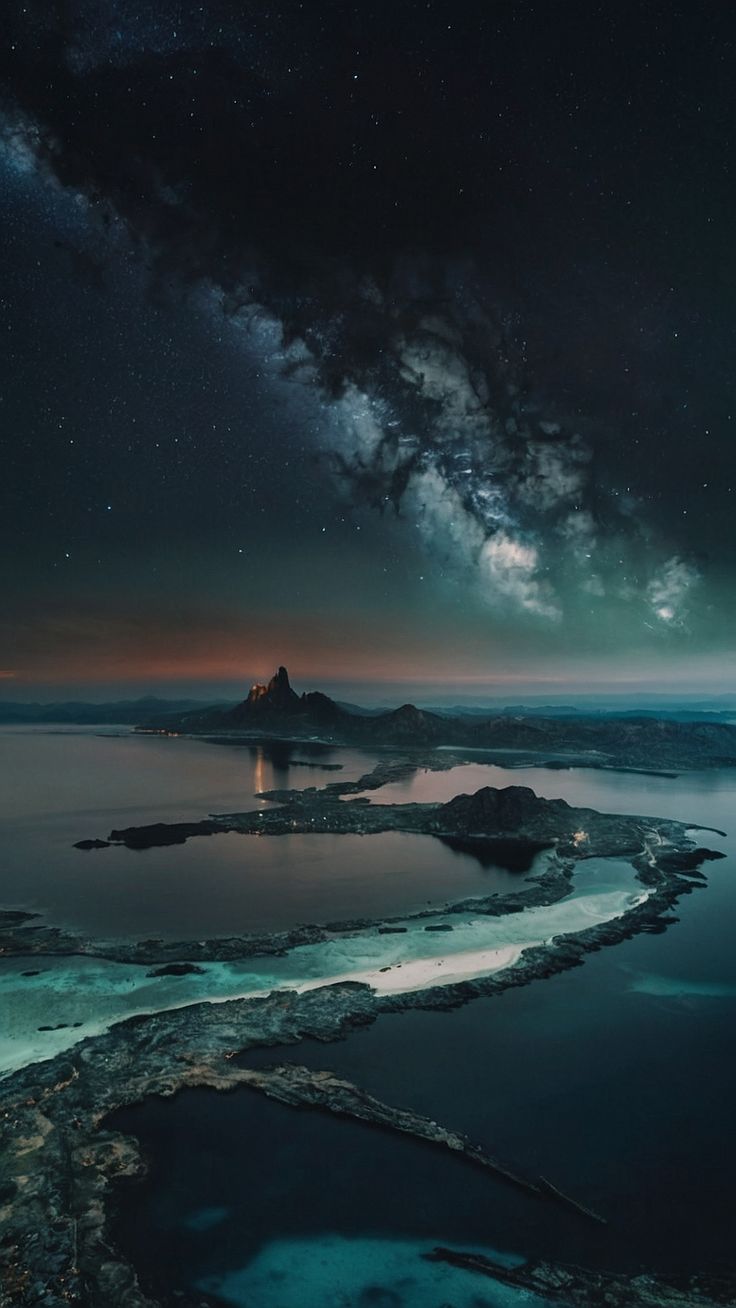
point(444, 434)
point(668, 590)
point(511, 566)
point(20, 142)
point(431, 411)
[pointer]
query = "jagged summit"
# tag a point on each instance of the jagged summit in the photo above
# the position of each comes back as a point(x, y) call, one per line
point(275, 709)
point(277, 695)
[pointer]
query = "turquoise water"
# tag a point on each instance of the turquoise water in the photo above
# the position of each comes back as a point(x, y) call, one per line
point(616, 1080)
point(50, 1004)
point(268, 1207)
point(334, 1271)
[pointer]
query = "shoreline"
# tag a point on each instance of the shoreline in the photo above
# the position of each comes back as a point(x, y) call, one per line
point(56, 1111)
point(412, 959)
point(61, 1160)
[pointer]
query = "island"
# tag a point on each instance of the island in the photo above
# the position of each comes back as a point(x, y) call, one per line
point(638, 741)
point(61, 1158)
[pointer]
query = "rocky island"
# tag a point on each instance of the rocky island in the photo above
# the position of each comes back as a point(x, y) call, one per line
point(276, 711)
point(60, 1157)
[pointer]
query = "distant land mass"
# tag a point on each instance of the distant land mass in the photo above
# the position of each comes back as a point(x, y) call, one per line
point(638, 740)
point(683, 707)
point(142, 709)
point(126, 712)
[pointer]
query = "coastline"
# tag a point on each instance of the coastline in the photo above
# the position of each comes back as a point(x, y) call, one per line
point(61, 1160)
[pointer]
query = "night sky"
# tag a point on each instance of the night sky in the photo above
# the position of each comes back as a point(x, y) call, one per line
point(394, 342)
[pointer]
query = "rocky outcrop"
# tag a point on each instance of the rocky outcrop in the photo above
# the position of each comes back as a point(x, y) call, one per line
point(576, 1287)
point(59, 1158)
point(305, 1087)
point(645, 743)
point(515, 821)
point(505, 811)
point(276, 697)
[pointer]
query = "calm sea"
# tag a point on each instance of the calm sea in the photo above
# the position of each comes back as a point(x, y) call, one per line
point(616, 1080)
point(61, 785)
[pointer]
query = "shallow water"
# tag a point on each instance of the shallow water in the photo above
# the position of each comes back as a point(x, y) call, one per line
point(334, 1270)
point(213, 1226)
point(615, 1080)
point(50, 1004)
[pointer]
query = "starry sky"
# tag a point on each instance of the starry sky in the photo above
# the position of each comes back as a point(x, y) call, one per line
point(391, 341)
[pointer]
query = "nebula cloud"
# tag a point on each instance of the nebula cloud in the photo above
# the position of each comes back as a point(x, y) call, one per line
point(434, 415)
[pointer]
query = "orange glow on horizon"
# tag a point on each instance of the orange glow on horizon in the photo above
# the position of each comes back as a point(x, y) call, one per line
point(162, 653)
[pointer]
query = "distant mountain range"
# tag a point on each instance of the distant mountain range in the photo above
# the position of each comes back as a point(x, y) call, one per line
point(637, 740)
point(654, 739)
point(126, 712)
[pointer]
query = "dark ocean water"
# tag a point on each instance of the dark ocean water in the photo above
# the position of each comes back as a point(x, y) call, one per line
point(617, 1081)
point(65, 784)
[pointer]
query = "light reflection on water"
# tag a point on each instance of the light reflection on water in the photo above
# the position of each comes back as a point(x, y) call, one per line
point(617, 1080)
point(64, 785)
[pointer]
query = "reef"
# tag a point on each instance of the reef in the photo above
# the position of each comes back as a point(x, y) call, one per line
point(60, 1158)
point(578, 1288)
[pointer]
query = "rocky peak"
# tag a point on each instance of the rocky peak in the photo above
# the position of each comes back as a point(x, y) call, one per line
point(279, 685)
point(410, 724)
point(508, 810)
point(408, 713)
point(276, 695)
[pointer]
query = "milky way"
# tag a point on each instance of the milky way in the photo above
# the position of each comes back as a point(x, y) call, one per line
point(437, 226)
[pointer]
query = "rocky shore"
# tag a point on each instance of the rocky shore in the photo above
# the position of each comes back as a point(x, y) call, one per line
point(59, 1158)
point(493, 817)
point(509, 826)
point(578, 1288)
point(306, 1088)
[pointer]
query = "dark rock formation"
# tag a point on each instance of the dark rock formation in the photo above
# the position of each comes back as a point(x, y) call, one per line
point(12, 917)
point(276, 697)
point(643, 743)
point(160, 833)
point(176, 969)
point(509, 810)
point(518, 820)
point(578, 1288)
